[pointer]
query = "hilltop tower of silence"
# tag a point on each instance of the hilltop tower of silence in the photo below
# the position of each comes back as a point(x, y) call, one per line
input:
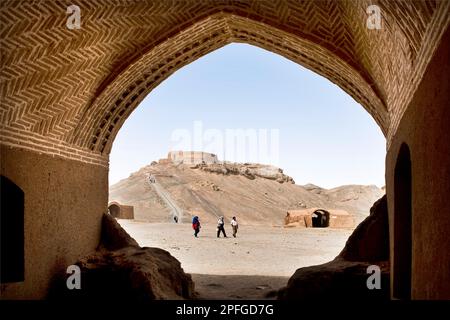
point(190, 158)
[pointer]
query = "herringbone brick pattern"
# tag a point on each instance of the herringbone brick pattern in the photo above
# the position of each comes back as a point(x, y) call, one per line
point(67, 92)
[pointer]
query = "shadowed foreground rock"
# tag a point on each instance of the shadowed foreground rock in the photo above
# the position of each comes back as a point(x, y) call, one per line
point(346, 276)
point(370, 240)
point(114, 236)
point(135, 274)
point(122, 271)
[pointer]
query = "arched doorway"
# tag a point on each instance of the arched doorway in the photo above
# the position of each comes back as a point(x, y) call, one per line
point(100, 124)
point(120, 211)
point(114, 210)
point(12, 231)
point(402, 259)
point(320, 219)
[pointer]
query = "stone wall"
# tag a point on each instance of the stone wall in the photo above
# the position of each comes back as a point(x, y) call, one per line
point(425, 129)
point(64, 203)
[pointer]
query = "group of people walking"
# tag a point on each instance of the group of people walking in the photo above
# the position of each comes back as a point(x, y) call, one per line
point(220, 226)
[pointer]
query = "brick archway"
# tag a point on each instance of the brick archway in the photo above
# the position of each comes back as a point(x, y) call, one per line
point(123, 94)
point(67, 92)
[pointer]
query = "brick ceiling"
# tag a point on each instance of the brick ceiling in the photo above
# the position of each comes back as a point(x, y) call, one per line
point(69, 91)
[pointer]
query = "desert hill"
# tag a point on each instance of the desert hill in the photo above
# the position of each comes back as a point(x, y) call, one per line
point(256, 194)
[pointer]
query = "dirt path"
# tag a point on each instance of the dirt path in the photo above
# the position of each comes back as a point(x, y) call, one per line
point(165, 196)
point(261, 259)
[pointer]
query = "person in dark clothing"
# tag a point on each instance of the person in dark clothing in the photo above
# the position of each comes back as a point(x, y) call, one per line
point(220, 228)
point(196, 226)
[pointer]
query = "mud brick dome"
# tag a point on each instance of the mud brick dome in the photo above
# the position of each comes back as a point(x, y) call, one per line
point(65, 93)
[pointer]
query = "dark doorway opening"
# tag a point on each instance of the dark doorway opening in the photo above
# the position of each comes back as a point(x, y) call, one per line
point(12, 232)
point(320, 219)
point(402, 260)
point(114, 210)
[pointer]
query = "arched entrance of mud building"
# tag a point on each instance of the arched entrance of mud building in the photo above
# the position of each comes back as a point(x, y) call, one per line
point(114, 210)
point(320, 219)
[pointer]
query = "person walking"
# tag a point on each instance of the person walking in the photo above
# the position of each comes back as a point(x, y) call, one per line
point(196, 225)
point(220, 227)
point(234, 226)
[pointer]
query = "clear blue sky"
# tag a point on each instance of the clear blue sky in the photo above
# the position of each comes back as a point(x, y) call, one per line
point(324, 136)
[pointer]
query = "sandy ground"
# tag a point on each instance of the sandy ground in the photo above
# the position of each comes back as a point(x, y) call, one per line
point(251, 266)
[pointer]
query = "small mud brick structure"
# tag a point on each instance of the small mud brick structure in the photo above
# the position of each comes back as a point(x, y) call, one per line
point(120, 211)
point(319, 218)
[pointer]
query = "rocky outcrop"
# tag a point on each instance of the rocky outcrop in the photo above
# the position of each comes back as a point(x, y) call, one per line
point(370, 240)
point(346, 276)
point(113, 236)
point(120, 270)
point(338, 279)
point(134, 274)
point(250, 171)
